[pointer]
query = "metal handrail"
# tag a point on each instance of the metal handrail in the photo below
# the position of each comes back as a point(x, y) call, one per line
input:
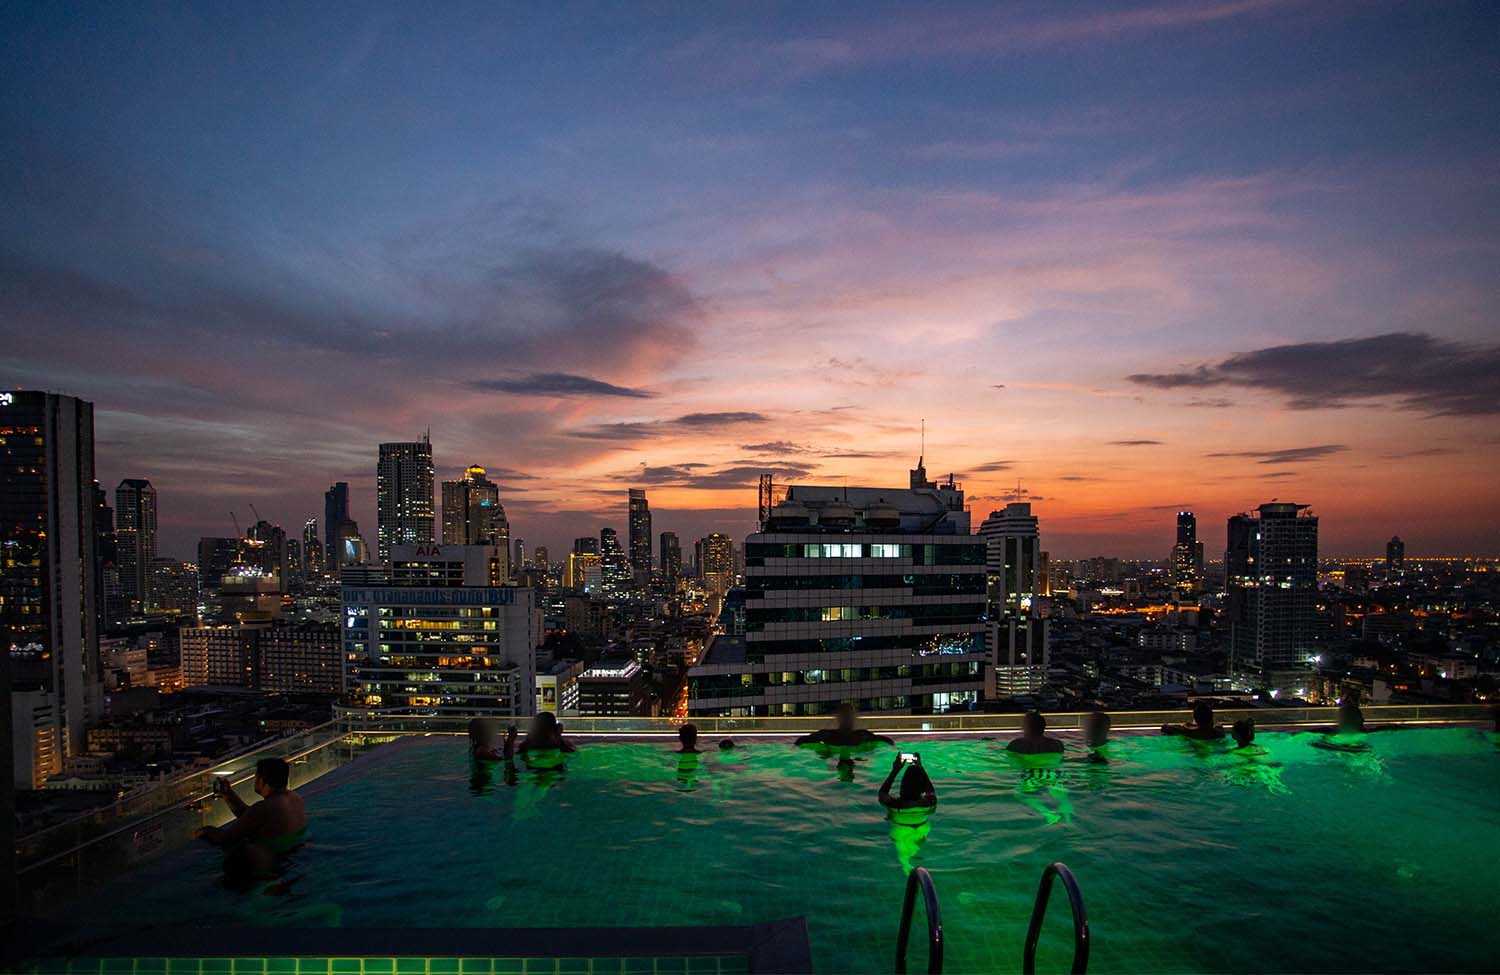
point(934, 922)
point(1080, 919)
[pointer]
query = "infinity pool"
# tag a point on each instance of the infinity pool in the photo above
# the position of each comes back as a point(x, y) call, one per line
point(1190, 858)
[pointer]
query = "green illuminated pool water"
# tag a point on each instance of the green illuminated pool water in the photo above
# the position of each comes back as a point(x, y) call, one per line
point(1190, 859)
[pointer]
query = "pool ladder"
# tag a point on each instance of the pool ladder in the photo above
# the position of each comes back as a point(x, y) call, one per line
point(920, 878)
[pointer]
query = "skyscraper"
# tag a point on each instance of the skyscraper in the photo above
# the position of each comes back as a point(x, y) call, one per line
point(106, 558)
point(1271, 569)
point(472, 513)
point(48, 597)
point(639, 537)
point(671, 559)
point(717, 562)
point(1017, 631)
point(403, 496)
point(1187, 556)
point(1395, 554)
point(135, 539)
point(313, 557)
point(587, 545)
point(612, 558)
point(335, 513)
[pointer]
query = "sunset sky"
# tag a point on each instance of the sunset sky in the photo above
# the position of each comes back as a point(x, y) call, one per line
point(1135, 258)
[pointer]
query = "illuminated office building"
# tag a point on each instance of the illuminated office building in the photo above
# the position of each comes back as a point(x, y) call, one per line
point(440, 636)
point(671, 560)
point(715, 555)
point(49, 615)
point(335, 513)
point(1395, 554)
point(1187, 557)
point(314, 560)
point(1271, 570)
point(472, 513)
point(1017, 630)
point(862, 594)
point(135, 540)
point(638, 537)
point(403, 496)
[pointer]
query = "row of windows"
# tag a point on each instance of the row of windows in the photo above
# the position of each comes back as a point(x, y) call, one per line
point(957, 553)
point(920, 646)
point(727, 685)
point(937, 615)
point(938, 584)
point(939, 703)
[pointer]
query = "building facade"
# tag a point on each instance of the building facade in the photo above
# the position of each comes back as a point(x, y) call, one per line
point(671, 560)
point(1017, 630)
point(1187, 557)
point(440, 637)
point(135, 540)
point(335, 513)
point(49, 613)
point(1271, 569)
point(869, 595)
point(638, 537)
point(472, 513)
point(403, 496)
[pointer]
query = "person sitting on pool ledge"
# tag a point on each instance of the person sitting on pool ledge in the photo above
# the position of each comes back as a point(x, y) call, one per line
point(917, 790)
point(275, 824)
point(1202, 728)
point(1034, 739)
point(845, 733)
point(482, 740)
point(545, 734)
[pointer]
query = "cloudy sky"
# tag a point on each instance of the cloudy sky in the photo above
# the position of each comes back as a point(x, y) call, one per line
point(1131, 258)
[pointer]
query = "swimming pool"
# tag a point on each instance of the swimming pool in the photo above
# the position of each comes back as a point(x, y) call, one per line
point(1190, 859)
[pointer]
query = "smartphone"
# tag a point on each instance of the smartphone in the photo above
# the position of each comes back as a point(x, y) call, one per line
point(221, 784)
point(911, 758)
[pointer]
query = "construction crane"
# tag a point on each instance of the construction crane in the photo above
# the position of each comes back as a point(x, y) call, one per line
point(235, 518)
point(258, 518)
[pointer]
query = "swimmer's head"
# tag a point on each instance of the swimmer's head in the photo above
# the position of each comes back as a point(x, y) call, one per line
point(271, 775)
point(544, 725)
point(845, 717)
point(1033, 724)
point(1203, 714)
point(1096, 728)
point(688, 735)
point(726, 744)
point(1244, 731)
point(915, 782)
point(1351, 718)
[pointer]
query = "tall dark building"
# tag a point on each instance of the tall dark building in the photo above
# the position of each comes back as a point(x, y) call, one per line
point(49, 615)
point(472, 513)
point(135, 538)
point(612, 557)
point(639, 537)
point(313, 556)
point(266, 549)
point(1187, 556)
point(671, 559)
point(106, 560)
point(335, 513)
point(1395, 554)
point(1271, 569)
point(403, 496)
point(216, 557)
point(587, 545)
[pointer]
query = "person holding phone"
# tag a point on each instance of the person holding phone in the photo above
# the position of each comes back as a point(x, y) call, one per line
point(262, 832)
point(910, 810)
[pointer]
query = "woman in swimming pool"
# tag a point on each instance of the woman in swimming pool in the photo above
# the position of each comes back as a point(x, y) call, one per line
point(910, 810)
point(544, 744)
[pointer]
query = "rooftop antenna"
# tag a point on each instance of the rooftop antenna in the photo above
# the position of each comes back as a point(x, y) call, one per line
point(922, 456)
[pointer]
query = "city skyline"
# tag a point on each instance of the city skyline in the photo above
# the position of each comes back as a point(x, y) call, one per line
point(1168, 256)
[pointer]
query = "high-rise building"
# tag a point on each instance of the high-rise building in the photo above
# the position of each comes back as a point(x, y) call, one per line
point(176, 587)
point(313, 558)
point(716, 561)
point(403, 496)
point(106, 558)
point(335, 513)
point(217, 557)
point(613, 561)
point(441, 637)
point(639, 537)
point(472, 513)
point(582, 572)
point(1187, 556)
point(1395, 554)
point(869, 595)
point(587, 545)
point(671, 559)
point(266, 550)
point(1017, 631)
point(349, 546)
point(135, 539)
point(49, 614)
point(540, 559)
point(1271, 570)
point(519, 560)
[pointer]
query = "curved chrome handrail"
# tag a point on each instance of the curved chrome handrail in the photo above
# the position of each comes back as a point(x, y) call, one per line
point(934, 922)
point(1080, 919)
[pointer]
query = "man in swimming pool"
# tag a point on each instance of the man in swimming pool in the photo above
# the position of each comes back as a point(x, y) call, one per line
point(1034, 739)
point(276, 823)
point(1096, 736)
point(1202, 728)
point(845, 733)
point(482, 735)
point(544, 734)
point(687, 737)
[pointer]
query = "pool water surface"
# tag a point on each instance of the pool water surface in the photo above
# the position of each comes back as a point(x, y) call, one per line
point(1191, 858)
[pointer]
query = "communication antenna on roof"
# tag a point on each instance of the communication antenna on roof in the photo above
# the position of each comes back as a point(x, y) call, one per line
point(922, 455)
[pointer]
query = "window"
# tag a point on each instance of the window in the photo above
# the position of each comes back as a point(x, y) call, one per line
point(885, 551)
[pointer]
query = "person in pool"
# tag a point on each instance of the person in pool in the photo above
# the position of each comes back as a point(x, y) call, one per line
point(1244, 738)
point(1096, 736)
point(845, 733)
point(482, 739)
point(1034, 739)
point(917, 790)
point(544, 735)
point(270, 828)
point(1202, 728)
point(687, 737)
